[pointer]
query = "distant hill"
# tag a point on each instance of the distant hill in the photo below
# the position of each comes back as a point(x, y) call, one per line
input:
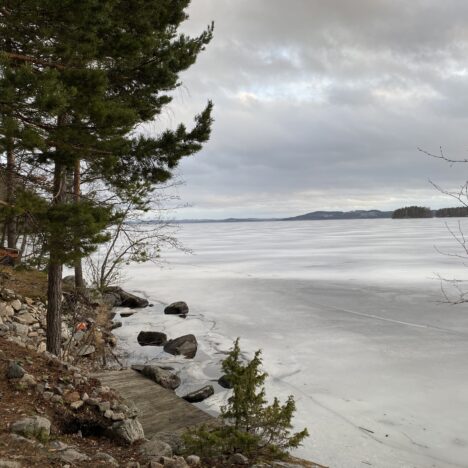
point(357, 214)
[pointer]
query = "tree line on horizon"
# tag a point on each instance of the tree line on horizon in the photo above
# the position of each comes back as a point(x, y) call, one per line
point(425, 212)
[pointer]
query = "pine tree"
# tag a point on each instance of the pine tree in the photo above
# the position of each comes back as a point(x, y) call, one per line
point(88, 74)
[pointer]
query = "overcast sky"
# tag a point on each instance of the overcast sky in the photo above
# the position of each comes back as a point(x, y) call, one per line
point(322, 104)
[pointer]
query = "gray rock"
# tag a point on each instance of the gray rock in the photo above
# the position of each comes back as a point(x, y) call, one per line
point(117, 297)
point(35, 426)
point(156, 448)
point(161, 376)
point(15, 371)
point(16, 304)
point(86, 350)
point(25, 318)
point(192, 460)
point(20, 329)
point(177, 308)
point(199, 395)
point(115, 324)
point(151, 338)
point(174, 440)
point(225, 382)
point(238, 459)
point(127, 431)
point(176, 462)
point(101, 456)
point(184, 345)
point(70, 455)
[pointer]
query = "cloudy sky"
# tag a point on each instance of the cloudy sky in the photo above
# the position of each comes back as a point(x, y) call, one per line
point(322, 104)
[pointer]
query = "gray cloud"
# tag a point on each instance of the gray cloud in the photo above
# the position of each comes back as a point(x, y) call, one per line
point(322, 104)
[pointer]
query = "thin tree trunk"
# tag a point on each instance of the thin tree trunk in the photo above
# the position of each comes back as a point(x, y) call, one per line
point(79, 281)
point(10, 193)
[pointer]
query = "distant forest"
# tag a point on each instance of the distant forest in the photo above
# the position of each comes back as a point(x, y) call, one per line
point(424, 212)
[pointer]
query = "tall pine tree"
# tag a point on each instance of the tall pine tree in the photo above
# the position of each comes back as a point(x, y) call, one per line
point(88, 74)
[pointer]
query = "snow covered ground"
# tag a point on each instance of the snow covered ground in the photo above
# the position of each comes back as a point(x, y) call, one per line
point(349, 319)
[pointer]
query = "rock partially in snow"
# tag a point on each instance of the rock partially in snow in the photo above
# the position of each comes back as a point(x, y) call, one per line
point(184, 345)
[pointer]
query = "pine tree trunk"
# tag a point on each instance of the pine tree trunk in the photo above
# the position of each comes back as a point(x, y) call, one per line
point(10, 194)
point(79, 281)
point(55, 269)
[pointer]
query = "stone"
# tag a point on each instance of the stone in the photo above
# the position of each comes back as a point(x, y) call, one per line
point(28, 380)
point(76, 405)
point(36, 426)
point(127, 314)
point(177, 308)
point(115, 325)
point(20, 329)
point(238, 459)
point(128, 431)
point(105, 457)
point(199, 395)
point(71, 397)
point(174, 440)
point(162, 377)
point(86, 350)
point(16, 304)
point(70, 455)
point(154, 464)
point(176, 462)
point(104, 406)
point(117, 297)
point(25, 318)
point(108, 414)
point(151, 338)
point(58, 445)
point(193, 460)
point(155, 448)
point(15, 371)
point(225, 382)
point(184, 345)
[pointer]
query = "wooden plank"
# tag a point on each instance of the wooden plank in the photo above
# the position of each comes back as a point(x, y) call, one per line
point(160, 409)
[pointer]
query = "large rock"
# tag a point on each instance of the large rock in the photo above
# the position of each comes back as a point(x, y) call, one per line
point(177, 308)
point(14, 371)
point(117, 297)
point(161, 376)
point(35, 426)
point(128, 431)
point(184, 345)
point(150, 338)
point(156, 448)
point(199, 395)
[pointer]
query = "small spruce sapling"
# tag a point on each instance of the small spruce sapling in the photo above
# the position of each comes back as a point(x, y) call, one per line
point(251, 425)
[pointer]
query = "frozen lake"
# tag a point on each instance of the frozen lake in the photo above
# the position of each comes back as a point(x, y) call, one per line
point(350, 320)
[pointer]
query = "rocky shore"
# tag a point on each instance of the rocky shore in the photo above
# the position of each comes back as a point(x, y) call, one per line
point(54, 411)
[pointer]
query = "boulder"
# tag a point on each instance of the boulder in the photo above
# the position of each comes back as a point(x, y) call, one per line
point(161, 376)
point(35, 426)
point(155, 448)
point(184, 345)
point(128, 431)
point(177, 308)
point(16, 304)
point(20, 329)
point(199, 395)
point(149, 338)
point(225, 382)
point(117, 297)
point(14, 371)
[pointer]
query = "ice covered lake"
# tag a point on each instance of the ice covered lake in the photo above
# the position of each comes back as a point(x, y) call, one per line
point(350, 320)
